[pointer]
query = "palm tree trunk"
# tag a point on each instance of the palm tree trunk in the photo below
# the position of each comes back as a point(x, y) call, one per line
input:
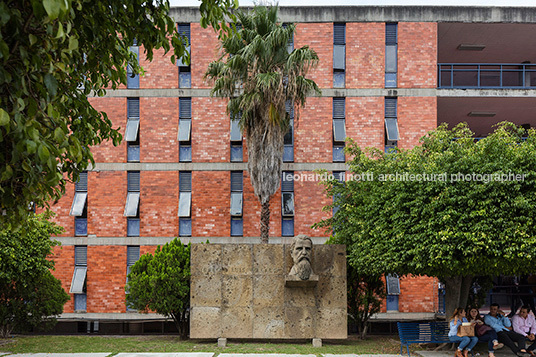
point(265, 221)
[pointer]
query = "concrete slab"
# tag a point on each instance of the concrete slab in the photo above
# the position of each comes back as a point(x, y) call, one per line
point(162, 354)
point(262, 355)
point(104, 354)
point(330, 355)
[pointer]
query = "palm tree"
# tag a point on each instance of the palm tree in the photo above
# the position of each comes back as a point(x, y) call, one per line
point(259, 75)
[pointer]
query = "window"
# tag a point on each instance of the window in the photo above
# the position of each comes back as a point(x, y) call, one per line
point(78, 283)
point(79, 206)
point(133, 79)
point(391, 124)
point(287, 203)
point(185, 73)
point(339, 55)
point(133, 129)
point(133, 254)
point(290, 44)
point(288, 153)
point(339, 176)
point(185, 203)
point(185, 129)
point(237, 194)
point(393, 284)
point(132, 205)
point(236, 140)
point(391, 57)
point(339, 129)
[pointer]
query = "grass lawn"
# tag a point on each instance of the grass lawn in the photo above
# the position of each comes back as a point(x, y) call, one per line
point(116, 344)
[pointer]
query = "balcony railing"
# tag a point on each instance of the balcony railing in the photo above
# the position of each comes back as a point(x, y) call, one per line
point(487, 75)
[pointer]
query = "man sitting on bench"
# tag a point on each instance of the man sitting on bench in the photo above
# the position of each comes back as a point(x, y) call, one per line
point(497, 320)
point(525, 325)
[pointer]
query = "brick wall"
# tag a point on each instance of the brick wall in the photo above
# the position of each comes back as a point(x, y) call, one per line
point(365, 121)
point(417, 294)
point(211, 197)
point(416, 116)
point(319, 37)
point(417, 55)
point(211, 127)
point(116, 109)
point(106, 278)
point(160, 72)
point(107, 195)
point(309, 199)
point(252, 211)
point(62, 208)
point(313, 141)
point(159, 128)
point(159, 203)
point(365, 55)
point(63, 257)
point(204, 49)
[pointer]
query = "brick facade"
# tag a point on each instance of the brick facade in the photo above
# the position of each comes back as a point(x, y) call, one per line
point(210, 140)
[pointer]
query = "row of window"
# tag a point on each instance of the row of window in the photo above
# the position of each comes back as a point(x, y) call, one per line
point(339, 57)
point(78, 282)
point(132, 204)
point(185, 129)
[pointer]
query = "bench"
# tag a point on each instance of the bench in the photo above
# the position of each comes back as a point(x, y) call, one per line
point(422, 332)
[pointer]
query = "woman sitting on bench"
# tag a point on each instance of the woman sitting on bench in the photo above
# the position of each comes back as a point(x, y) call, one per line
point(483, 331)
point(466, 342)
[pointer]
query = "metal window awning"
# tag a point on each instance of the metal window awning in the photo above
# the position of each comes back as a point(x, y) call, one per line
point(132, 130)
point(79, 278)
point(391, 128)
point(132, 204)
point(185, 203)
point(287, 203)
point(236, 203)
point(79, 202)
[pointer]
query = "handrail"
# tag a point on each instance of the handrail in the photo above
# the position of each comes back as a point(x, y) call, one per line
point(486, 75)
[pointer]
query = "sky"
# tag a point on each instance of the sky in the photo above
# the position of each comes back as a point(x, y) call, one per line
point(530, 3)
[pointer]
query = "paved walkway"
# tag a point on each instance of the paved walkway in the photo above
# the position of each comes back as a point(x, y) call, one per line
point(505, 352)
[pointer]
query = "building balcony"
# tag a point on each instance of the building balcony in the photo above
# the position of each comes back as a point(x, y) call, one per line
point(487, 75)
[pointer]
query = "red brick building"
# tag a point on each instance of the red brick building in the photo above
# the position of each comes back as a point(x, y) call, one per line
point(388, 75)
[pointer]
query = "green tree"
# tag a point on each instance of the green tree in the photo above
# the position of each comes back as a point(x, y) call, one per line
point(259, 75)
point(161, 283)
point(29, 293)
point(54, 55)
point(365, 295)
point(454, 226)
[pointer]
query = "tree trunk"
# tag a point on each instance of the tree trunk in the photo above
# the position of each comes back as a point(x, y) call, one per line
point(265, 222)
point(5, 330)
point(456, 292)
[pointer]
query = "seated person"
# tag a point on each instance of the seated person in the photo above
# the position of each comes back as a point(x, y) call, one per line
point(466, 342)
point(489, 336)
point(525, 324)
point(502, 325)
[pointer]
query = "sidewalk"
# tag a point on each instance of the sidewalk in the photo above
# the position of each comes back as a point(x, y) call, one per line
point(505, 352)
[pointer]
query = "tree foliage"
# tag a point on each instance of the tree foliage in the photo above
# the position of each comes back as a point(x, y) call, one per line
point(54, 55)
point(29, 293)
point(453, 228)
point(259, 76)
point(365, 295)
point(161, 283)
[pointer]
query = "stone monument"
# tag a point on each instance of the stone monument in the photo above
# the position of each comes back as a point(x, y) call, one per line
point(268, 291)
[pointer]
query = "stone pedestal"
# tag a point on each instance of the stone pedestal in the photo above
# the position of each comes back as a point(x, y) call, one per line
point(242, 291)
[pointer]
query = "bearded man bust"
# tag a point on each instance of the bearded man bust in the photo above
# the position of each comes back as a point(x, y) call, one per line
point(301, 252)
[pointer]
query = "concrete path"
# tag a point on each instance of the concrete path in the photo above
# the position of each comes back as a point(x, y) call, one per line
point(258, 354)
point(163, 354)
point(104, 354)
